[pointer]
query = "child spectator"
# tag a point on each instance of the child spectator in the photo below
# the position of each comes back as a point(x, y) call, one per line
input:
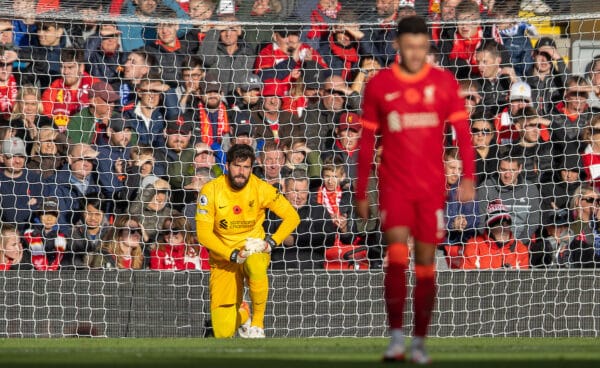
point(46, 242)
point(12, 254)
point(170, 251)
point(515, 36)
point(325, 13)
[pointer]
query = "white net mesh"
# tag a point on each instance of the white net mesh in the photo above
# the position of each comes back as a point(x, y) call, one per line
point(114, 114)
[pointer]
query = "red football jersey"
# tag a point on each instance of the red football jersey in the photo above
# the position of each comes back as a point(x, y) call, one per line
point(409, 111)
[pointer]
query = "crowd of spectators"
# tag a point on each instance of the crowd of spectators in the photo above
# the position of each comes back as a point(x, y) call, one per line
point(110, 128)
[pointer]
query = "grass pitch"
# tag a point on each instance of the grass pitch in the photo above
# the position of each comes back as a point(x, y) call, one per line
point(283, 353)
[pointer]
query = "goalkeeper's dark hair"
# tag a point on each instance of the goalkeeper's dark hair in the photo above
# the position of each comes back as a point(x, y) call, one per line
point(412, 25)
point(241, 152)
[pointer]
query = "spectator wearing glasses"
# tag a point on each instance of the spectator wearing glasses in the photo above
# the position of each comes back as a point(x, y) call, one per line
point(122, 246)
point(486, 149)
point(585, 209)
point(152, 206)
point(188, 92)
point(74, 182)
point(521, 197)
point(497, 247)
point(20, 188)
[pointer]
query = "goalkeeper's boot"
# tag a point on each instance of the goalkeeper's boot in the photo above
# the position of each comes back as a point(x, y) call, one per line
point(244, 329)
point(395, 351)
point(256, 332)
point(418, 355)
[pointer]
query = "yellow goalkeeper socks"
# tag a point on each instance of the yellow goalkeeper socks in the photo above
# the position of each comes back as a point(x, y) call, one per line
point(259, 292)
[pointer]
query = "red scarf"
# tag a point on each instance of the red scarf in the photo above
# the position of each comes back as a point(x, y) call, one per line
point(319, 26)
point(347, 54)
point(5, 266)
point(563, 109)
point(465, 49)
point(174, 48)
point(330, 200)
point(206, 125)
point(8, 94)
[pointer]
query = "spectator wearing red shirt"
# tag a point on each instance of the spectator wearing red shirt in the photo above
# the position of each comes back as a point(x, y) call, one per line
point(8, 82)
point(497, 247)
point(591, 154)
point(325, 13)
point(170, 250)
point(69, 94)
point(280, 62)
point(458, 44)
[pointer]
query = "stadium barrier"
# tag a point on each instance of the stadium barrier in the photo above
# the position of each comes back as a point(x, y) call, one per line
point(317, 304)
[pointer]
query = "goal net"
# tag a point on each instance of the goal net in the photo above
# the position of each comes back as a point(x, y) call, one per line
point(114, 114)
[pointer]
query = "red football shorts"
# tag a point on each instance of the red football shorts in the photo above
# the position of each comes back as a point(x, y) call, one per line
point(424, 217)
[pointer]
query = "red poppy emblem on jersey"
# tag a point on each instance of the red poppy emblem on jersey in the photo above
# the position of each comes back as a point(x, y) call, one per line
point(237, 210)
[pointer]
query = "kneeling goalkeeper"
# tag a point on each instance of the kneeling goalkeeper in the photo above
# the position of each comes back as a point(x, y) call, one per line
point(229, 218)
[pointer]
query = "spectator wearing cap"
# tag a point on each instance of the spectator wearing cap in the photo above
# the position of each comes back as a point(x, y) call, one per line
point(246, 96)
point(189, 89)
point(168, 50)
point(42, 56)
point(321, 118)
point(531, 147)
point(48, 152)
point(571, 115)
point(8, 82)
point(380, 33)
point(103, 54)
point(241, 133)
point(68, 94)
point(340, 47)
point(149, 113)
point(204, 157)
point(212, 116)
point(345, 144)
point(89, 125)
point(225, 50)
point(569, 175)
point(520, 97)
point(20, 188)
point(177, 156)
point(45, 240)
point(497, 247)
point(280, 63)
point(85, 239)
point(113, 156)
point(547, 76)
point(521, 197)
point(74, 182)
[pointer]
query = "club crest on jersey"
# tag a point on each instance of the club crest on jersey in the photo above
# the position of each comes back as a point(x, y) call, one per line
point(429, 94)
point(203, 200)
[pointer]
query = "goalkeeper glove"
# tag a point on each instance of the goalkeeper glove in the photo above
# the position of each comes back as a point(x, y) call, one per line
point(255, 245)
point(238, 256)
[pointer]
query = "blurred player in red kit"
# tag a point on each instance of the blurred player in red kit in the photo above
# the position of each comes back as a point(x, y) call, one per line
point(408, 105)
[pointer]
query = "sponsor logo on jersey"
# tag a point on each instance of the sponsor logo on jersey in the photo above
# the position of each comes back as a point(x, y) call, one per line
point(388, 97)
point(223, 224)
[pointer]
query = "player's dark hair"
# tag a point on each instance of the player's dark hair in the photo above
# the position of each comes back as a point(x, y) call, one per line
point(413, 25)
point(241, 152)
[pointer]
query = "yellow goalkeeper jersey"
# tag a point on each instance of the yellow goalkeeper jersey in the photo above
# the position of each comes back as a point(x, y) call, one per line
point(225, 218)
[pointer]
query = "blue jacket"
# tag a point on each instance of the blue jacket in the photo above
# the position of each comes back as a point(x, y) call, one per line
point(15, 194)
point(62, 187)
point(107, 177)
point(455, 208)
point(519, 48)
